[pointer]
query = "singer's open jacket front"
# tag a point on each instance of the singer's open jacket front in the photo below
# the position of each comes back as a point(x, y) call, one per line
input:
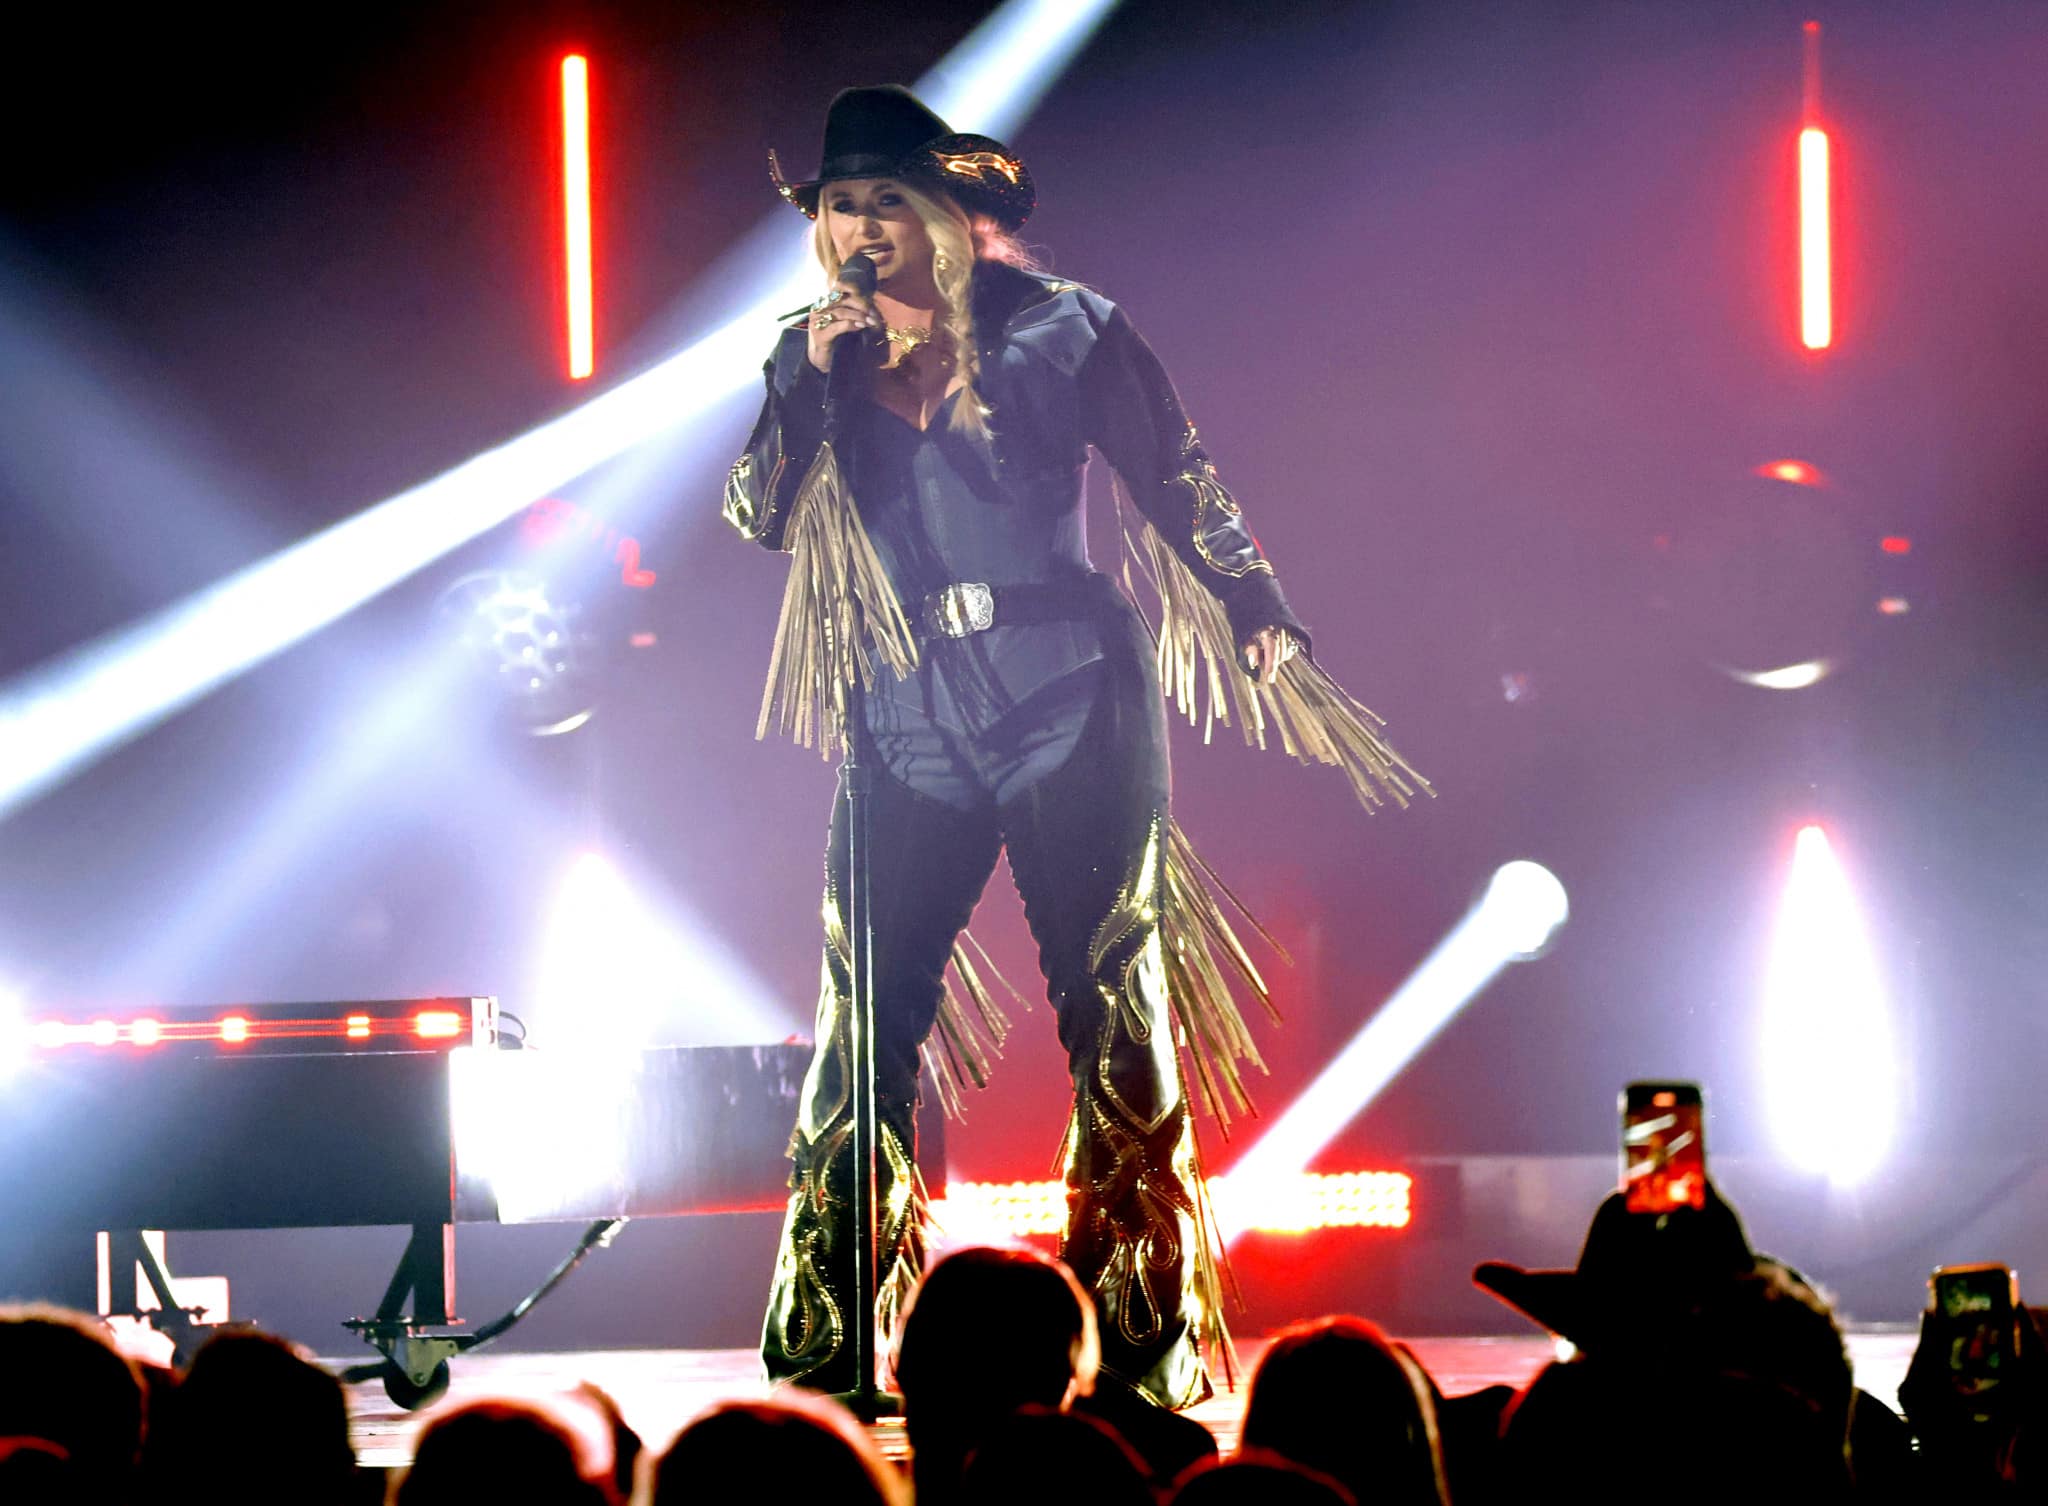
point(1061, 369)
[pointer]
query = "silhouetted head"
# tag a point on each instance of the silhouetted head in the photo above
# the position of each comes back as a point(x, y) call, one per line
point(498, 1451)
point(1038, 1456)
point(1256, 1477)
point(1336, 1395)
point(1599, 1428)
point(63, 1382)
point(801, 1440)
point(989, 1331)
point(253, 1420)
point(983, 1302)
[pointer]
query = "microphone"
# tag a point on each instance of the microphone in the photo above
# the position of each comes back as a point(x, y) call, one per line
point(858, 273)
point(846, 379)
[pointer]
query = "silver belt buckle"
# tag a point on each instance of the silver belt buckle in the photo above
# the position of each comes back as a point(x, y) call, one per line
point(965, 607)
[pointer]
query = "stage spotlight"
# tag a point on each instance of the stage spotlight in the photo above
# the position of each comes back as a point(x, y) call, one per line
point(1791, 677)
point(99, 695)
point(1526, 905)
point(1792, 472)
point(614, 973)
point(1522, 908)
point(1830, 1072)
point(1769, 575)
point(529, 1149)
point(528, 644)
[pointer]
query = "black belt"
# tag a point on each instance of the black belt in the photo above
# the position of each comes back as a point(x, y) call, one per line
point(968, 607)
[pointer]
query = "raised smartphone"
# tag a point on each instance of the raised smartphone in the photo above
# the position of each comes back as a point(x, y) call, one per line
point(1663, 1146)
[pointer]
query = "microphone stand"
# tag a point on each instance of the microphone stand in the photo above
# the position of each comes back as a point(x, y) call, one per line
point(866, 1401)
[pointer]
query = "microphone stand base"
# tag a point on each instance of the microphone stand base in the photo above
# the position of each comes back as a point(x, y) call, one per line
point(869, 1404)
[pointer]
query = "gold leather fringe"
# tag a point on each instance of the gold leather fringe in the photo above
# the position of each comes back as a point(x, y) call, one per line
point(970, 1029)
point(1205, 964)
point(839, 615)
point(900, 1283)
point(1215, 1282)
point(1315, 718)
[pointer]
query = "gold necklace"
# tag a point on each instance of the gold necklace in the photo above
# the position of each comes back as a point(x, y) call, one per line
point(908, 338)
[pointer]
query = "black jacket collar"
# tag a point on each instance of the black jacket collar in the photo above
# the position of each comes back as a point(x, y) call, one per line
point(1001, 292)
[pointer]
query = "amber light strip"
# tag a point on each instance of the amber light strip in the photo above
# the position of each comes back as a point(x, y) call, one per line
point(1290, 1205)
point(234, 1029)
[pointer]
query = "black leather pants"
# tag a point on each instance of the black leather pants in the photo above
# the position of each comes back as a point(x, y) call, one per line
point(1086, 846)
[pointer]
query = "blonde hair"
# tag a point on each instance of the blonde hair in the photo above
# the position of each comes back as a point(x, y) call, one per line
point(958, 241)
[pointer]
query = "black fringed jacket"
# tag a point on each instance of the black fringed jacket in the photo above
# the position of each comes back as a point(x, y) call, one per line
point(1061, 369)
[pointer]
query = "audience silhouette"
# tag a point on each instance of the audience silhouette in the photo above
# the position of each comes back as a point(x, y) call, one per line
point(252, 1420)
point(795, 1436)
point(990, 1331)
point(1336, 1395)
point(71, 1407)
point(1257, 1477)
point(1036, 1456)
point(499, 1450)
point(1697, 1371)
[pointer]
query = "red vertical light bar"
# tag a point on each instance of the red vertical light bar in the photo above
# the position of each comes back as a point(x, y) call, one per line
point(576, 212)
point(1816, 291)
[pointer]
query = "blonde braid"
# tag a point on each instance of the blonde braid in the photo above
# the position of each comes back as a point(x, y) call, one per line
point(952, 236)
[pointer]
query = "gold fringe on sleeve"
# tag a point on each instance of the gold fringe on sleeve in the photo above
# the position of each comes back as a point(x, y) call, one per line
point(1315, 718)
point(971, 1027)
point(839, 615)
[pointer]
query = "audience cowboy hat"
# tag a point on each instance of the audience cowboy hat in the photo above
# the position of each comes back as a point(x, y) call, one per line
point(1631, 1262)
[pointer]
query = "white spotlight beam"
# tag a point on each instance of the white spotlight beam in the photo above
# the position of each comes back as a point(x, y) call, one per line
point(1523, 906)
point(1830, 1070)
point(97, 696)
point(620, 966)
point(93, 698)
point(14, 1034)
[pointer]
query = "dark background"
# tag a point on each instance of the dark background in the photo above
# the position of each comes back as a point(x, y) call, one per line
point(1487, 312)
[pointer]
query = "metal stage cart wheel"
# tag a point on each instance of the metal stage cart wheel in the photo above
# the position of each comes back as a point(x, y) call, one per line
point(415, 1369)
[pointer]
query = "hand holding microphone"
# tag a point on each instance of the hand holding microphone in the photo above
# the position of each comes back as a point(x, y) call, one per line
point(847, 308)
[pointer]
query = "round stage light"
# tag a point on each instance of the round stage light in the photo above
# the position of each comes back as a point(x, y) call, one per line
point(1790, 677)
point(1766, 574)
point(528, 643)
point(1526, 903)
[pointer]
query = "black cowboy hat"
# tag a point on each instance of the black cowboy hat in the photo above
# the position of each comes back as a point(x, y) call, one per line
point(1633, 1265)
point(884, 131)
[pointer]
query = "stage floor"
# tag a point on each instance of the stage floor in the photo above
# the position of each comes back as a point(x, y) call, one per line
point(661, 1389)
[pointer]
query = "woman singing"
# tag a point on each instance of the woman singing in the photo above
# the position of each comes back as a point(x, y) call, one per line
point(938, 543)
